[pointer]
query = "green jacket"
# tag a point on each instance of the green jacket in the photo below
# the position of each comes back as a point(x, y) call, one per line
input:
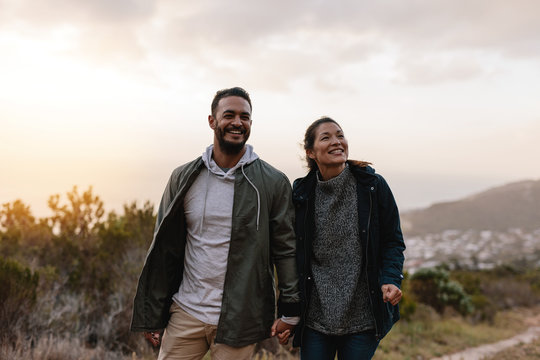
point(249, 303)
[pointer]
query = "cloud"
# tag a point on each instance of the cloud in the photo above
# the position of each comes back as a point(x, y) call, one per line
point(450, 25)
point(97, 30)
point(429, 41)
point(438, 68)
point(81, 12)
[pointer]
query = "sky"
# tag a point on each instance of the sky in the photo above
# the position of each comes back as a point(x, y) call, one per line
point(443, 97)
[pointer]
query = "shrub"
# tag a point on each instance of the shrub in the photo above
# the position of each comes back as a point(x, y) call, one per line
point(407, 306)
point(87, 263)
point(17, 297)
point(433, 287)
point(21, 235)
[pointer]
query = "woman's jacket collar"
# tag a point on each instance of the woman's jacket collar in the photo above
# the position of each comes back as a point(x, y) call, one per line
point(303, 187)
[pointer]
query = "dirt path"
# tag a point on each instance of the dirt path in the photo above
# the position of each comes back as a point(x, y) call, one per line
point(481, 352)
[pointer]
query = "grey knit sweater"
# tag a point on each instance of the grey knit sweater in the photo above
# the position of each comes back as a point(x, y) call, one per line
point(340, 302)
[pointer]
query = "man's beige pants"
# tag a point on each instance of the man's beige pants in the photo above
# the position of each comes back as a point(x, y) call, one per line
point(187, 338)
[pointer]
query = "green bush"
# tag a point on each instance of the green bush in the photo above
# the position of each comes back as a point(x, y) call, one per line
point(433, 287)
point(533, 278)
point(17, 297)
point(88, 264)
point(407, 305)
point(501, 288)
point(21, 235)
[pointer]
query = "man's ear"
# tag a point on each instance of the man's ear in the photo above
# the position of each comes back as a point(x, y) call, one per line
point(212, 122)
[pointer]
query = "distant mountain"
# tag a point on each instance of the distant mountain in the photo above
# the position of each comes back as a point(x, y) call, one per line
point(511, 206)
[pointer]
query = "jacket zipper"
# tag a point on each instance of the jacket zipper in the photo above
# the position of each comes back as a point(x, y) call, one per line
point(377, 335)
point(307, 272)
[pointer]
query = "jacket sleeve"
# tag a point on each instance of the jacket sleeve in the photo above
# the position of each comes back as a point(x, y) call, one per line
point(150, 299)
point(283, 248)
point(167, 198)
point(392, 244)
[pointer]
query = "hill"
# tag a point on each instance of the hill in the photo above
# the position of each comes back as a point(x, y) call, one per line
point(515, 205)
point(500, 226)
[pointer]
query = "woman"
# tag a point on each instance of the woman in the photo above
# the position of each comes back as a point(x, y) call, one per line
point(349, 250)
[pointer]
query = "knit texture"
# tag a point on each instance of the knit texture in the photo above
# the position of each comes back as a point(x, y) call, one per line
point(340, 301)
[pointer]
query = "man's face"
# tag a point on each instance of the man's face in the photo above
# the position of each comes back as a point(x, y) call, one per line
point(231, 124)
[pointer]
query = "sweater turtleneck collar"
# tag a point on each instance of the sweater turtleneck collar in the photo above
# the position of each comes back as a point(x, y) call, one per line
point(335, 182)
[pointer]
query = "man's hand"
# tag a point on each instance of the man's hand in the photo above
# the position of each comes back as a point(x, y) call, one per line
point(154, 337)
point(282, 330)
point(391, 293)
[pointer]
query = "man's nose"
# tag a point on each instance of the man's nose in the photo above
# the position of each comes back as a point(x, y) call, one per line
point(237, 121)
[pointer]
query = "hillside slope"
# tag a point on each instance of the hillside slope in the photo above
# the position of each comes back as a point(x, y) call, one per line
point(515, 205)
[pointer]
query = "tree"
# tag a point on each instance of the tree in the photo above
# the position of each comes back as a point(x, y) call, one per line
point(80, 217)
point(21, 231)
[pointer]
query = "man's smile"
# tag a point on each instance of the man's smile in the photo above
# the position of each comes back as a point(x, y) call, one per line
point(236, 131)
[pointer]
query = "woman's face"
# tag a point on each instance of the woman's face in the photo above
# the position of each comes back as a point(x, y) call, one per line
point(330, 148)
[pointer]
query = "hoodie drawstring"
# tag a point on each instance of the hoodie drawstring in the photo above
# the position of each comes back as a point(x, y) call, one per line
point(258, 196)
point(205, 197)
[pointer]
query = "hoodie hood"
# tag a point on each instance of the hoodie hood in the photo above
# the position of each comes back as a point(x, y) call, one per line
point(248, 157)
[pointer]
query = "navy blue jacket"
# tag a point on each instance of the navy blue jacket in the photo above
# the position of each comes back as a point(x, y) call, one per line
point(380, 235)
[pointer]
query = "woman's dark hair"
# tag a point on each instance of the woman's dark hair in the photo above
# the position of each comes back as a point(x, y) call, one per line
point(309, 138)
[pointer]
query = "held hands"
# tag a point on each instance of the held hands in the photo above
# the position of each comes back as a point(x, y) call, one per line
point(391, 293)
point(282, 330)
point(154, 337)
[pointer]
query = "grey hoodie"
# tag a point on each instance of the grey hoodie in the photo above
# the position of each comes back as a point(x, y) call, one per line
point(208, 208)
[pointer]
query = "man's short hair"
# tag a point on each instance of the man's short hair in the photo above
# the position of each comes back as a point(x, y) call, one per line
point(234, 91)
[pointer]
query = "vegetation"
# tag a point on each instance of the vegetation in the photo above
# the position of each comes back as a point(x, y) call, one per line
point(433, 287)
point(67, 284)
point(429, 334)
point(70, 278)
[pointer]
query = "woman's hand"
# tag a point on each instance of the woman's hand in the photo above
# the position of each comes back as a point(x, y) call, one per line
point(391, 293)
point(282, 330)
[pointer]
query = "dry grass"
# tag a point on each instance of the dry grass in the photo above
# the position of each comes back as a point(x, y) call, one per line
point(62, 347)
point(54, 348)
point(428, 336)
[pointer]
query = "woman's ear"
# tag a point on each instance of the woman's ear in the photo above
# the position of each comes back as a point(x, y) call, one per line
point(310, 154)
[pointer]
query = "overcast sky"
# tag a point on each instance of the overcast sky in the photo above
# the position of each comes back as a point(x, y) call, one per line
point(441, 96)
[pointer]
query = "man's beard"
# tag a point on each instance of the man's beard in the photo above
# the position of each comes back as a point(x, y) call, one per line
point(229, 147)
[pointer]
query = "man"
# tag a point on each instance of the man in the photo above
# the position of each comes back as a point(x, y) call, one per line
point(224, 221)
